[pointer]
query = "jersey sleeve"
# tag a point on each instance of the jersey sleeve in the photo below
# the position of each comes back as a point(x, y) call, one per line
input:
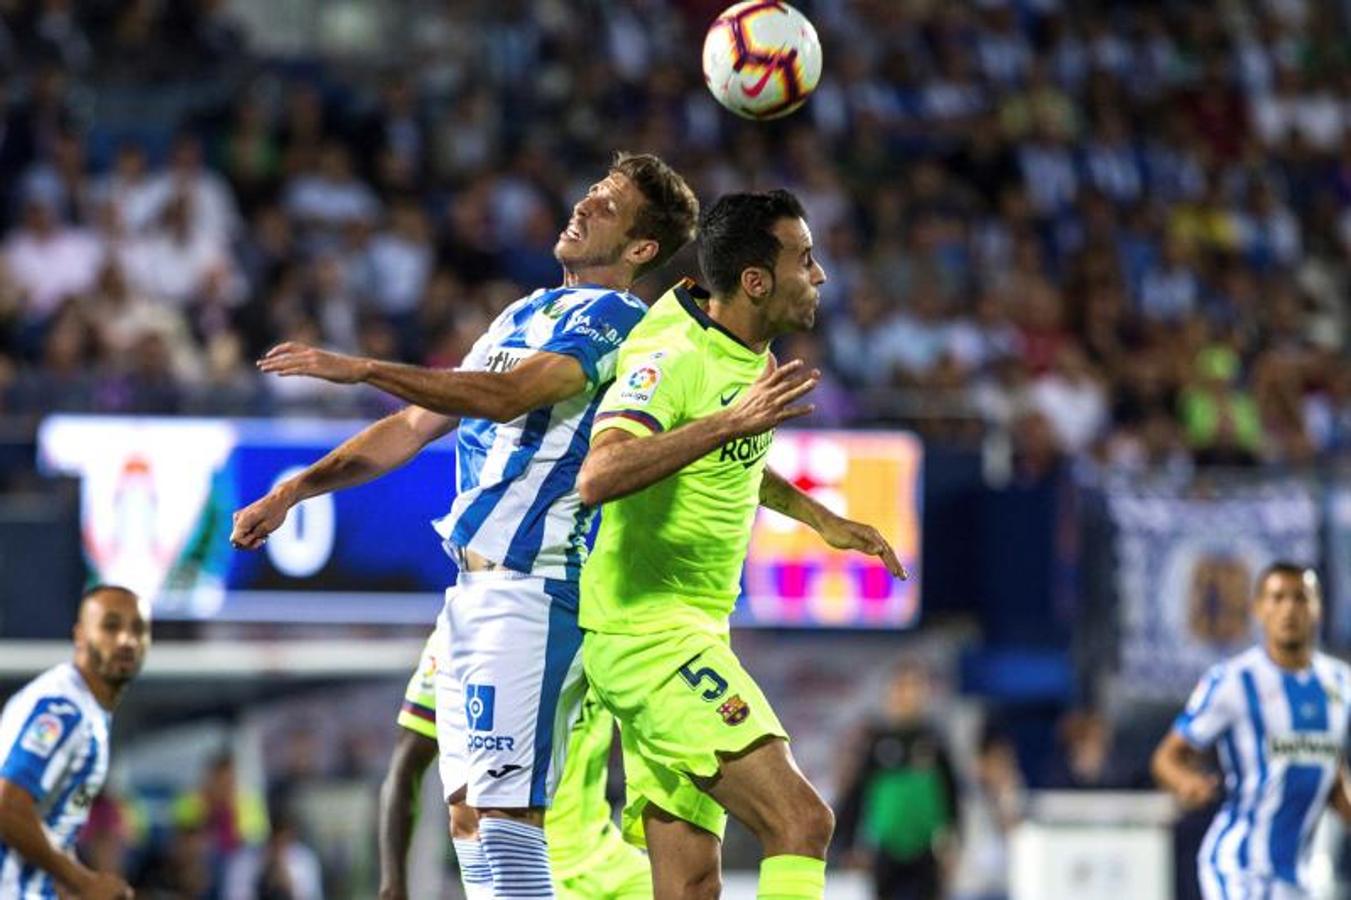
point(648, 395)
point(1210, 710)
point(592, 334)
point(43, 746)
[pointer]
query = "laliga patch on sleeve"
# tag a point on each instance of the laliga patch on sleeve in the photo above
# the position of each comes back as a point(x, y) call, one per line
point(639, 384)
point(43, 734)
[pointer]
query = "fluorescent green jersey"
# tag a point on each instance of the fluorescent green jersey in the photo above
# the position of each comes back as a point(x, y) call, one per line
point(670, 556)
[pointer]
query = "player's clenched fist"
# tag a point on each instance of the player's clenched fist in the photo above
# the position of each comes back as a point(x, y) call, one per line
point(772, 399)
point(1197, 790)
point(255, 522)
point(295, 358)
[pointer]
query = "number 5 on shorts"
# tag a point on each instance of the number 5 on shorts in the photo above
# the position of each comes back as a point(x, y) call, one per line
point(695, 677)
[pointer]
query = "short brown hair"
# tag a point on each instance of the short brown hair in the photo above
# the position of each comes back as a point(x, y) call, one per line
point(671, 211)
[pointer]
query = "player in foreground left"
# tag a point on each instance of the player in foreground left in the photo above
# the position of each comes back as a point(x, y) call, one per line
point(54, 737)
point(589, 858)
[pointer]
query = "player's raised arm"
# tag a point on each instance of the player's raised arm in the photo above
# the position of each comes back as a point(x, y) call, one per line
point(622, 462)
point(539, 380)
point(780, 495)
point(21, 828)
point(377, 449)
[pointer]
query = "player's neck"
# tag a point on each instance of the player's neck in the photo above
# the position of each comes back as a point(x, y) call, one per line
point(617, 277)
point(107, 695)
point(743, 320)
point(1292, 658)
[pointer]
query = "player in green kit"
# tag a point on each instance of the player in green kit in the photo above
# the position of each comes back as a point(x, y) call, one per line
point(588, 858)
point(678, 458)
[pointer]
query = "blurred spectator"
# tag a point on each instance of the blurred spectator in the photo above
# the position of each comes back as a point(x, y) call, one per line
point(1072, 399)
point(49, 262)
point(1085, 758)
point(227, 816)
point(283, 868)
point(899, 809)
point(211, 202)
point(329, 195)
point(993, 803)
point(1221, 421)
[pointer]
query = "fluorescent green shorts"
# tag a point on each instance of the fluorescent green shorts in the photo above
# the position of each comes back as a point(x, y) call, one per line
point(682, 699)
point(615, 871)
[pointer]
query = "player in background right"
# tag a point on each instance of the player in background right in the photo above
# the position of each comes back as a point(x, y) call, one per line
point(678, 457)
point(1278, 714)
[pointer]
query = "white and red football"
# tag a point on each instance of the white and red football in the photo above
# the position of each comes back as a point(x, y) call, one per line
point(762, 59)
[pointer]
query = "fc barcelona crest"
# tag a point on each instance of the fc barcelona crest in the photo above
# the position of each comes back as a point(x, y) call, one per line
point(735, 710)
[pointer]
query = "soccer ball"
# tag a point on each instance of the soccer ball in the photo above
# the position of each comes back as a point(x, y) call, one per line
point(762, 59)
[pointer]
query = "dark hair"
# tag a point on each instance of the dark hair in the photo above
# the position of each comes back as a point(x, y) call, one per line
point(671, 211)
point(106, 588)
point(737, 234)
point(1282, 567)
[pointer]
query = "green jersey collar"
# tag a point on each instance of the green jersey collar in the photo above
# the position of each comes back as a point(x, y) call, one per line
point(689, 294)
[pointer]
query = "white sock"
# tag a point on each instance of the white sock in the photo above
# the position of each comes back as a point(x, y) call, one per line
point(518, 857)
point(474, 872)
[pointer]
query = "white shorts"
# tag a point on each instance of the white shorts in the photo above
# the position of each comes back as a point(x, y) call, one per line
point(513, 687)
point(1217, 885)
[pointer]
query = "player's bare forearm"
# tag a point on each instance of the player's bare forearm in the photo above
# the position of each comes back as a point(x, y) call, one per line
point(481, 395)
point(377, 449)
point(782, 496)
point(1177, 770)
point(620, 463)
point(413, 753)
point(541, 379)
point(21, 829)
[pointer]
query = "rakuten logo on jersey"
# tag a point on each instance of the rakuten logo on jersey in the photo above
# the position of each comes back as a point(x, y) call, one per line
point(746, 450)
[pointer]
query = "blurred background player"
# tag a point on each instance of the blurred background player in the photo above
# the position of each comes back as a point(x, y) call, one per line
point(1278, 713)
point(589, 859)
point(528, 391)
point(900, 809)
point(54, 736)
point(678, 455)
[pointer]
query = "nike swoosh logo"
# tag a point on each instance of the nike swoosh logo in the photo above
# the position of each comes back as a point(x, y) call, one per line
point(728, 398)
point(758, 88)
point(504, 771)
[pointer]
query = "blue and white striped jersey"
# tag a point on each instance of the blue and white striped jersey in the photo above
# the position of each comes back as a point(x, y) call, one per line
point(54, 737)
point(1281, 736)
point(517, 502)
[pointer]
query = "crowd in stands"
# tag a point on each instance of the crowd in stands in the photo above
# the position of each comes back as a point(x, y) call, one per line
point(1120, 234)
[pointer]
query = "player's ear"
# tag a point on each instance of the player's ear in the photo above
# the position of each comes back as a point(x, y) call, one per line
point(641, 252)
point(757, 282)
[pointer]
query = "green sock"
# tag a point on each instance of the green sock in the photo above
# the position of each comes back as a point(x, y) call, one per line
point(792, 878)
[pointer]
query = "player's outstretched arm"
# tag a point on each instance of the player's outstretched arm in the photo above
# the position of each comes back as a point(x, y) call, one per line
point(1176, 768)
point(377, 449)
point(413, 753)
point(542, 379)
point(782, 496)
point(620, 463)
point(21, 828)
